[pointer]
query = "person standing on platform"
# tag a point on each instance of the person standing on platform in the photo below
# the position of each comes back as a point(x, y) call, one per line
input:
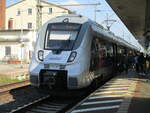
point(141, 61)
point(126, 63)
point(147, 63)
point(136, 62)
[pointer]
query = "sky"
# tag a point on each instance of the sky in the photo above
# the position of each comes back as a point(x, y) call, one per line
point(104, 12)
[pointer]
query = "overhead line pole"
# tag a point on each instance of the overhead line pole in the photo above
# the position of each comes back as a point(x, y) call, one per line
point(39, 15)
point(147, 25)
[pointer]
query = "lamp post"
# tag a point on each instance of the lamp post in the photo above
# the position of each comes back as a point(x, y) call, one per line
point(21, 46)
point(21, 37)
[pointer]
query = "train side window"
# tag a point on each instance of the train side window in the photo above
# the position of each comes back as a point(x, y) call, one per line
point(102, 54)
point(109, 57)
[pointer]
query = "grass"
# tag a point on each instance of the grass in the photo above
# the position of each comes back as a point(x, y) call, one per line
point(4, 79)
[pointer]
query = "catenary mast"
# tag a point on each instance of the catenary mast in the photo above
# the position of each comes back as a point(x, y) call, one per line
point(39, 15)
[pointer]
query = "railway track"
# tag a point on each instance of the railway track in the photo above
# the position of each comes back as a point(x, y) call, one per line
point(53, 104)
point(11, 86)
point(47, 104)
point(50, 104)
point(5, 89)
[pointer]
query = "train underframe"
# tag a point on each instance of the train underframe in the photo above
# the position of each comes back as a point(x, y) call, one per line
point(54, 79)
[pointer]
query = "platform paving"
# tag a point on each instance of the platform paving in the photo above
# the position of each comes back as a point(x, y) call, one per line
point(141, 100)
point(126, 93)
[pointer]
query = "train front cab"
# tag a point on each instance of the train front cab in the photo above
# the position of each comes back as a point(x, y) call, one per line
point(70, 63)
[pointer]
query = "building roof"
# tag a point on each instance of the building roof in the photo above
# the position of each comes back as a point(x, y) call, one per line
point(43, 2)
point(56, 6)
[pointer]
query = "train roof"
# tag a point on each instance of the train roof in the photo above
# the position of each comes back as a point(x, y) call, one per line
point(96, 28)
point(110, 36)
point(71, 17)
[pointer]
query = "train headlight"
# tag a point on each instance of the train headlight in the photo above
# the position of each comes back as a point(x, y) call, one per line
point(72, 56)
point(40, 55)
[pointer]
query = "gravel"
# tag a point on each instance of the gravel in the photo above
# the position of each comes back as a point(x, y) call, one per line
point(20, 98)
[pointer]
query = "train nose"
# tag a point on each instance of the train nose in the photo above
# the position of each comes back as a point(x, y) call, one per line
point(50, 73)
point(50, 78)
point(60, 57)
point(53, 78)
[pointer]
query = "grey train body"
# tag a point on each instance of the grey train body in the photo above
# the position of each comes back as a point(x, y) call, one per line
point(71, 51)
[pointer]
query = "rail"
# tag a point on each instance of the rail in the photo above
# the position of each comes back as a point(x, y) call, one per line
point(15, 85)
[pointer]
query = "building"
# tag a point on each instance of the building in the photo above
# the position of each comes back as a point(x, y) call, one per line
point(18, 37)
point(2, 14)
point(23, 14)
point(14, 48)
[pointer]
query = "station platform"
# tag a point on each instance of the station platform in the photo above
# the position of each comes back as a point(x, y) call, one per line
point(125, 93)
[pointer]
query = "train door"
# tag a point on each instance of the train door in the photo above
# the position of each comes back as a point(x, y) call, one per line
point(115, 58)
point(102, 57)
point(107, 57)
point(106, 54)
point(94, 61)
point(121, 52)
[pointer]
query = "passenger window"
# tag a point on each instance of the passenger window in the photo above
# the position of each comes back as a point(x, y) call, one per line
point(109, 58)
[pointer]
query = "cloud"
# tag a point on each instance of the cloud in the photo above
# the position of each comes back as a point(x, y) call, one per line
point(73, 2)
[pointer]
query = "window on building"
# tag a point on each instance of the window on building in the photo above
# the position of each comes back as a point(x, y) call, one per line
point(18, 12)
point(7, 51)
point(29, 11)
point(29, 25)
point(10, 23)
point(50, 10)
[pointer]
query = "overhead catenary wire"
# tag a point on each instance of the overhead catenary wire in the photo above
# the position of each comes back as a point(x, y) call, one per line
point(40, 6)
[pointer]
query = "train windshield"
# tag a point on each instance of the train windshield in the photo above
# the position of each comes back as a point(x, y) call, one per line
point(61, 36)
